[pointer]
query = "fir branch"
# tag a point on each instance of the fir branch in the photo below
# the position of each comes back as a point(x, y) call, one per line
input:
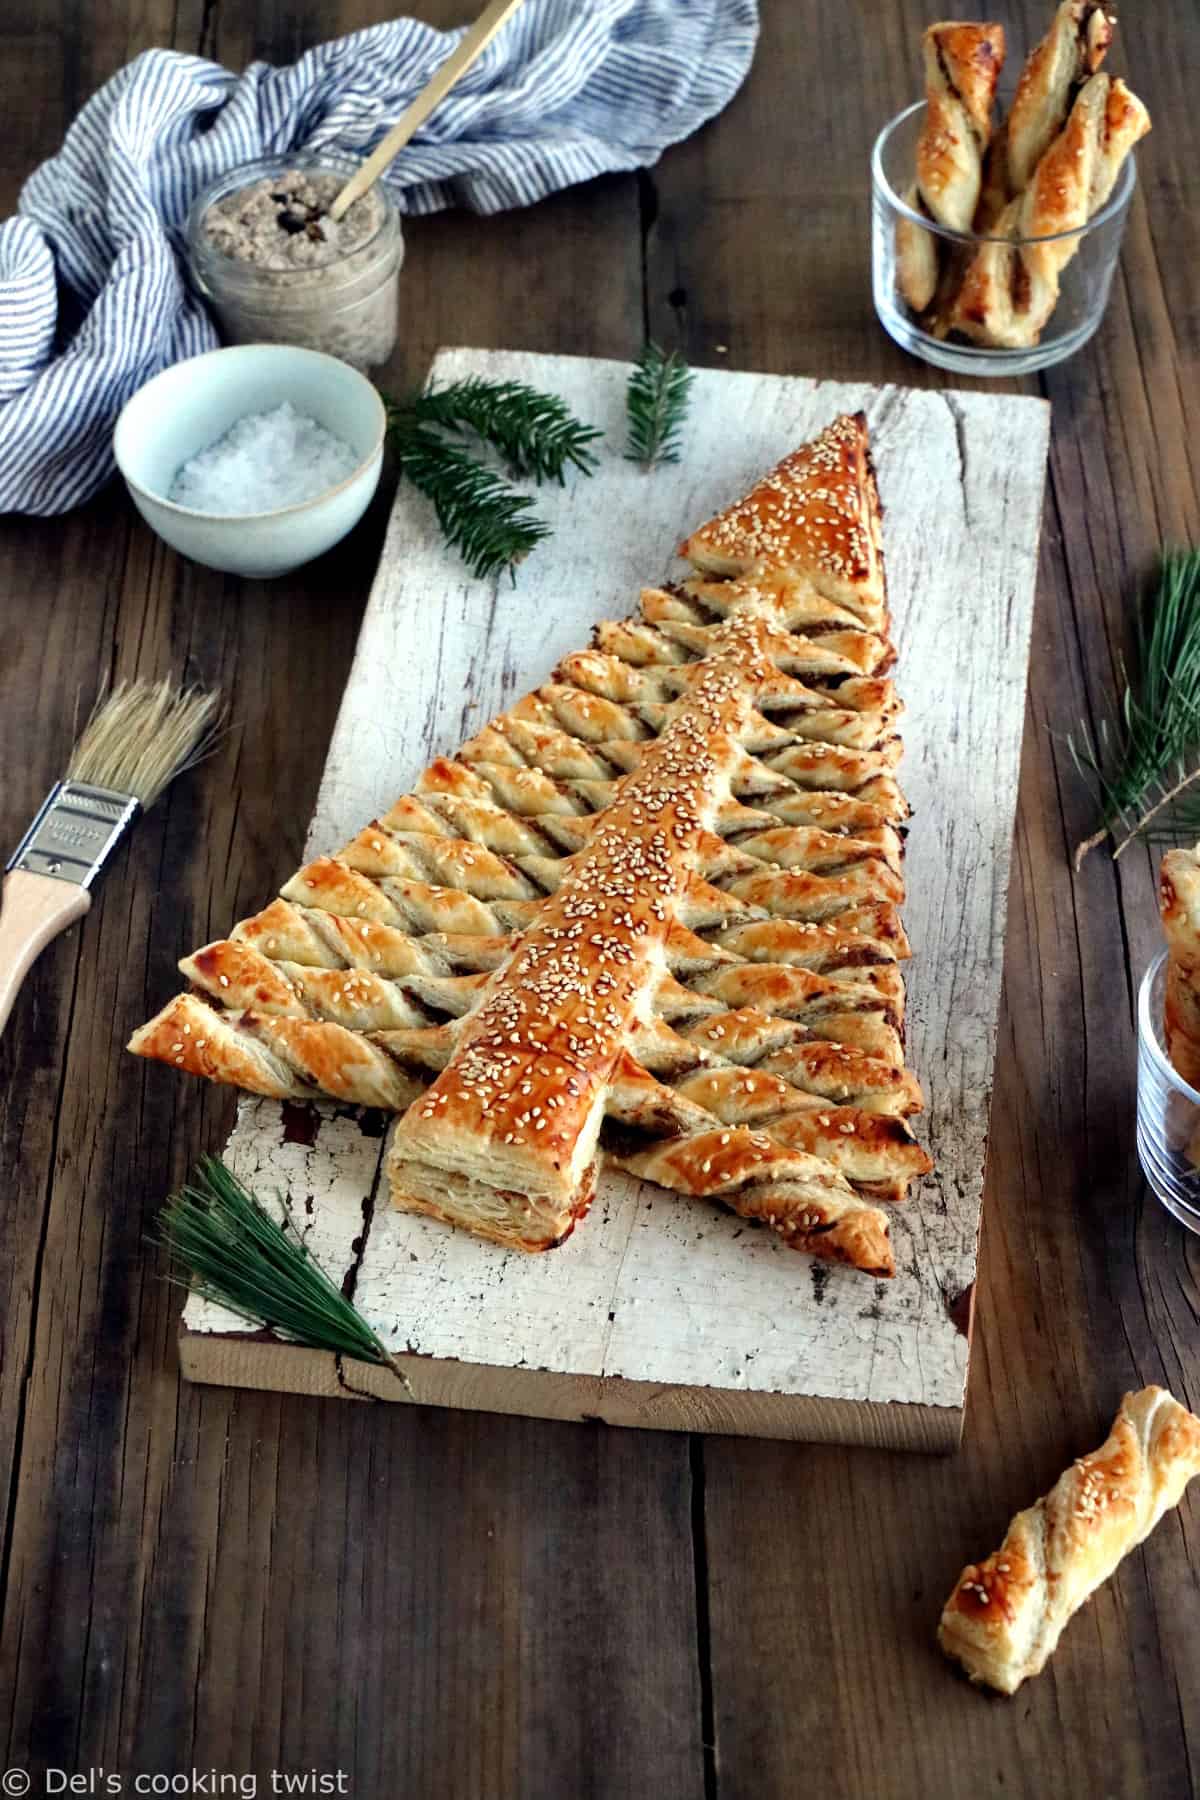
point(537, 434)
point(656, 403)
point(1146, 761)
point(233, 1252)
point(480, 514)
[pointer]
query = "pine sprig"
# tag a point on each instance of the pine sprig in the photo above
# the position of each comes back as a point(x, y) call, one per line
point(229, 1249)
point(656, 403)
point(537, 434)
point(1147, 760)
point(482, 516)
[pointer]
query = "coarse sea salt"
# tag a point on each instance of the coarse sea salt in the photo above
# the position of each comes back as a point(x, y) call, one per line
point(265, 461)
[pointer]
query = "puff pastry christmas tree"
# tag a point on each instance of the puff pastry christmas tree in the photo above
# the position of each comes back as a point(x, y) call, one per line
point(649, 914)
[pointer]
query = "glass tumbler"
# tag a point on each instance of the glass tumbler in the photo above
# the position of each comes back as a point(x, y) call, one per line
point(1168, 1110)
point(1083, 261)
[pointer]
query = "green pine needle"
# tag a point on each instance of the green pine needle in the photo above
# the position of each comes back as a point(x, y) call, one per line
point(1146, 761)
point(482, 516)
point(234, 1253)
point(656, 404)
point(536, 434)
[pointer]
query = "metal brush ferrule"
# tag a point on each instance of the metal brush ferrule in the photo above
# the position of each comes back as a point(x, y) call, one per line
point(76, 830)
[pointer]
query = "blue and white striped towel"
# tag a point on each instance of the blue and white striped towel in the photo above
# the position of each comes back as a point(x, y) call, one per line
point(93, 295)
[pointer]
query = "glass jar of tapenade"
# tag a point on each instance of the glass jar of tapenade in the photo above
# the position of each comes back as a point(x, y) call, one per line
point(275, 268)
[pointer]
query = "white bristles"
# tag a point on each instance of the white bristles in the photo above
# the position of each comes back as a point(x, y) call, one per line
point(142, 735)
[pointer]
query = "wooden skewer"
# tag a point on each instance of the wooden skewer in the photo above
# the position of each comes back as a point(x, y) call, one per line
point(457, 63)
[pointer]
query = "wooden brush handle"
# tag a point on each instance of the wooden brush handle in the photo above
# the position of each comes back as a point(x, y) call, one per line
point(33, 909)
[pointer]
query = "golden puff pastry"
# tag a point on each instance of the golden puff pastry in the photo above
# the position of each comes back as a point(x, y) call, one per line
point(1010, 290)
point(545, 1074)
point(1047, 172)
point(1006, 1614)
point(1055, 69)
point(1179, 904)
point(497, 946)
point(816, 517)
point(962, 66)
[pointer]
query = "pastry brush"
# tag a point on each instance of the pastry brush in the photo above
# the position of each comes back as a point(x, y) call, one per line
point(135, 743)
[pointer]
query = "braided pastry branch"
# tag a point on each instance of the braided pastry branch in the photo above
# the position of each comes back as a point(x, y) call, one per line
point(801, 1196)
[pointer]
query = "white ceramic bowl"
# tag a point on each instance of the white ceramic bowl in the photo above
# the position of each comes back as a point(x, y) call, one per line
point(189, 406)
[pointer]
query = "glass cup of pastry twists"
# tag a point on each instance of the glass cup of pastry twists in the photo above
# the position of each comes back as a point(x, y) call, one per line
point(1168, 1109)
point(980, 304)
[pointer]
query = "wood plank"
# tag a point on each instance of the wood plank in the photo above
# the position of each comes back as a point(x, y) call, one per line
point(1086, 1287)
point(412, 1597)
point(230, 1360)
point(654, 1313)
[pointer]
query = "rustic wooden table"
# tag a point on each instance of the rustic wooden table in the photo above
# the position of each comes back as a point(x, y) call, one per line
point(448, 1604)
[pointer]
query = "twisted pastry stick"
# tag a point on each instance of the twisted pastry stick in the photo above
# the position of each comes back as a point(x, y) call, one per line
point(1055, 69)
point(1006, 1614)
point(1179, 903)
point(1010, 290)
point(1071, 51)
point(962, 67)
point(1048, 171)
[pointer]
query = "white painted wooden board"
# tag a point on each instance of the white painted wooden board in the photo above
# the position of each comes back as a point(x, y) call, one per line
point(659, 1310)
